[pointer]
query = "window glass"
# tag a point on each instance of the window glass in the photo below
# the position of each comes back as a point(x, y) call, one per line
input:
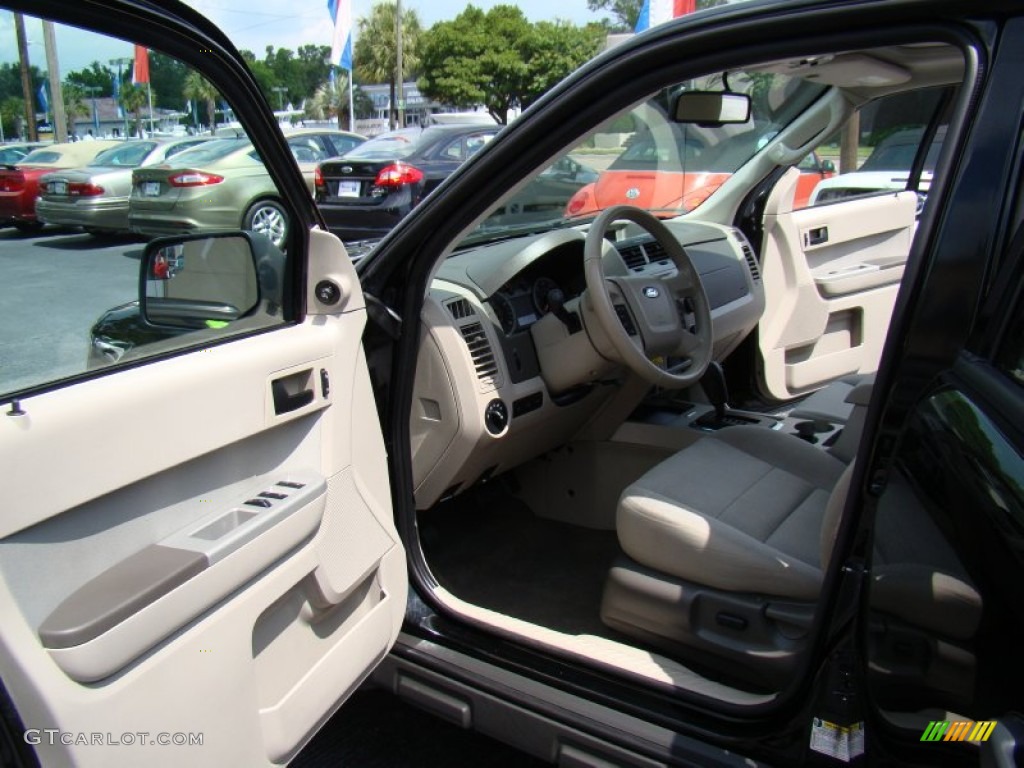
point(880, 157)
point(71, 292)
point(129, 155)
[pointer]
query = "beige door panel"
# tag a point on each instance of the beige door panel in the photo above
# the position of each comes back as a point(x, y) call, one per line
point(199, 545)
point(830, 274)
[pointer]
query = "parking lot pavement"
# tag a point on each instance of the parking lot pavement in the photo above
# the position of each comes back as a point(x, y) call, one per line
point(56, 284)
point(375, 729)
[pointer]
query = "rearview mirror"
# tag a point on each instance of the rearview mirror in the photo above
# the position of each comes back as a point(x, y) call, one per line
point(711, 108)
point(199, 281)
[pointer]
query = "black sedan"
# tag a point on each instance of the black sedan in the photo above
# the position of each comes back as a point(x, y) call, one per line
point(365, 192)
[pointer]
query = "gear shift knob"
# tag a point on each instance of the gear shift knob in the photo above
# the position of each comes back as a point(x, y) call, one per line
point(715, 389)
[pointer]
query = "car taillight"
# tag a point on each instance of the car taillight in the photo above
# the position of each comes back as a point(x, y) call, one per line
point(194, 179)
point(318, 179)
point(12, 182)
point(398, 175)
point(84, 189)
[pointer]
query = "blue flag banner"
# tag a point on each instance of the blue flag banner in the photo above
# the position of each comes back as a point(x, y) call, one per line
point(44, 98)
point(117, 95)
point(341, 42)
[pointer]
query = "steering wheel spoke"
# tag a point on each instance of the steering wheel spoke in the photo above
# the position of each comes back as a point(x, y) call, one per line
point(649, 318)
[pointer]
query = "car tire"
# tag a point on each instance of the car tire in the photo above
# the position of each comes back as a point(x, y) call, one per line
point(268, 218)
point(28, 227)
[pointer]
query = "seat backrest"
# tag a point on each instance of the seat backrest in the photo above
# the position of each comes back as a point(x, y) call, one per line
point(833, 514)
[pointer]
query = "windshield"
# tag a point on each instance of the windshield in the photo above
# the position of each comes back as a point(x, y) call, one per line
point(647, 159)
point(130, 155)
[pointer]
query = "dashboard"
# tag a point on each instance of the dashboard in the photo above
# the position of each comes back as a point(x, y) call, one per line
point(511, 364)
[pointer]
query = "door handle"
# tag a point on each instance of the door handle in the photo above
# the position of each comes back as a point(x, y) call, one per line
point(285, 400)
point(816, 236)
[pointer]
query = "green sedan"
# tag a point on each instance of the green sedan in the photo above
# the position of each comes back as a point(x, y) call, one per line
point(222, 185)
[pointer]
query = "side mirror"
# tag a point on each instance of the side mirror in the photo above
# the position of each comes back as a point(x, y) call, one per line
point(199, 281)
point(711, 108)
point(828, 166)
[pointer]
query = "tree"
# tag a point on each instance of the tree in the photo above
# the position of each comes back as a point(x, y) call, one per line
point(500, 60)
point(198, 89)
point(167, 80)
point(12, 113)
point(74, 104)
point(552, 51)
point(626, 12)
point(96, 75)
point(133, 98)
point(375, 51)
point(332, 100)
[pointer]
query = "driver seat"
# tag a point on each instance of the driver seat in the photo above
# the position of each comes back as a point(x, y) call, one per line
point(726, 546)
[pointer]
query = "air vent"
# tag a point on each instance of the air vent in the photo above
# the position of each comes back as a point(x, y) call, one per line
point(480, 350)
point(633, 255)
point(460, 308)
point(655, 251)
point(755, 269)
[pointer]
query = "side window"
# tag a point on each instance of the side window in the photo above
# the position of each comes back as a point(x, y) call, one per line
point(70, 288)
point(454, 151)
point(876, 153)
point(475, 143)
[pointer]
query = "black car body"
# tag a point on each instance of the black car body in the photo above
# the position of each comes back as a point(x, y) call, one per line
point(366, 192)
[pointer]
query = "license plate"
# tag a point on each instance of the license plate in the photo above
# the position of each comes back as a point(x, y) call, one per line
point(59, 187)
point(348, 189)
point(151, 188)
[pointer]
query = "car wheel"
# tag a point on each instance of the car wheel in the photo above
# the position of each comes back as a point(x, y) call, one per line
point(28, 227)
point(268, 218)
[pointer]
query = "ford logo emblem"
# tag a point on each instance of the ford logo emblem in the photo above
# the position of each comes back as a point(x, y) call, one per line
point(632, 193)
point(651, 292)
point(346, 169)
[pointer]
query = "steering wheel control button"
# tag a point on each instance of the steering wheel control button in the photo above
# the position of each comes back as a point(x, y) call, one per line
point(496, 417)
point(327, 292)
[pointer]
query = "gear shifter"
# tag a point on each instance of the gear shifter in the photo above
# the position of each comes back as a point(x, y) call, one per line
point(715, 388)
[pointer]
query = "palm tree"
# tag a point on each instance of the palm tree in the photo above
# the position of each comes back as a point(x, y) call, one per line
point(329, 100)
point(133, 99)
point(74, 104)
point(197, 89)
point(375, 46)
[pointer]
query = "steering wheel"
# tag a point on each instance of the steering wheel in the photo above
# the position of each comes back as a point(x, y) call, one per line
point(649, 317)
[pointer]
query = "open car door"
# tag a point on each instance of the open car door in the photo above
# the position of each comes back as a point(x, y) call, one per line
point(198, 560)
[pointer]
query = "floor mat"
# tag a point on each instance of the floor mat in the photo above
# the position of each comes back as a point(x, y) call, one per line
point(487, 548)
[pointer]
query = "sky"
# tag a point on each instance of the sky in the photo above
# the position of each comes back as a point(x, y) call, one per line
point(255, 24)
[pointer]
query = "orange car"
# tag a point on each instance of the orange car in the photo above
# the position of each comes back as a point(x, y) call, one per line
point(644, 177)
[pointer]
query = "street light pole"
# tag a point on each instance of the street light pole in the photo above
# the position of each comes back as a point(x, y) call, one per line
point(91, 90)
point(120, 63)
point(399, 74)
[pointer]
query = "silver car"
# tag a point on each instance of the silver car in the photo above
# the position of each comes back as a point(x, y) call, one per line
point(96, 197)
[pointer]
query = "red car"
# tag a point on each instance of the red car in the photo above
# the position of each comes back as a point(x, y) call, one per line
point(644, 177)
point(19, 183)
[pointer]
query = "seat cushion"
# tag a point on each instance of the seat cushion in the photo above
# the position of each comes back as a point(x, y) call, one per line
point(830, 403)
point(741, 511)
